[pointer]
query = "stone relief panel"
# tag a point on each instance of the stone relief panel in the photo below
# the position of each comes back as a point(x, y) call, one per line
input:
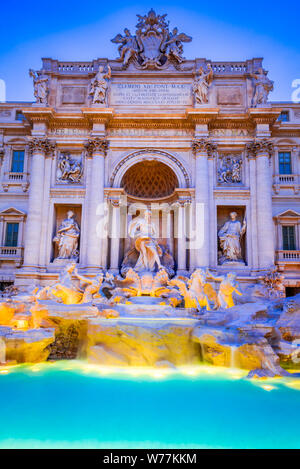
point(229, 169)
point(73, 94)
point(69, 168)
point(229, 95)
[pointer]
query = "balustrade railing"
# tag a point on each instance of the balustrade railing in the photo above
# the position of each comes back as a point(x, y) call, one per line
point(286, 179)
point(11, 252)
point(288, 256)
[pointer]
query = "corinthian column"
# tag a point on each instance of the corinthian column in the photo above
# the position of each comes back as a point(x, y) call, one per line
point(96, 149)
point(38, 148)
point(262, 151)
point(203, 149)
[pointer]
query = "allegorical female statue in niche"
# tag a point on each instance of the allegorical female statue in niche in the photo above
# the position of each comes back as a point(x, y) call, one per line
point(143, 232)
point(230, 239)
point(67, 238)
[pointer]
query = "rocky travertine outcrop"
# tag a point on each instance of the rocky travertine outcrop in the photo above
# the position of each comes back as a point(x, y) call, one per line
point(142, 343)
point(30, 346)
point(262, 336)
point(70, 325)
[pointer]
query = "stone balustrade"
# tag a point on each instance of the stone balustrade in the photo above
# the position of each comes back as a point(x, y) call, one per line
point(286, 179)
point(287, 256)
point(12, 253)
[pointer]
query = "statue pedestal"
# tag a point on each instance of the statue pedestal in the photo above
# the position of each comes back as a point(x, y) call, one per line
point(233, 263)
point(64, 262)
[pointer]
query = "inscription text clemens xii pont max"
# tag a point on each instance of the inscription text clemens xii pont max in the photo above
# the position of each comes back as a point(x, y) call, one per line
point(137, 94)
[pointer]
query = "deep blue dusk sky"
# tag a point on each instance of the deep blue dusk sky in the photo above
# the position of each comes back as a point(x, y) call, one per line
point(81, 30)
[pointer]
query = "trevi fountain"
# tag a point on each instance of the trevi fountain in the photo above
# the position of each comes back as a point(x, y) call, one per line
point(115, 332)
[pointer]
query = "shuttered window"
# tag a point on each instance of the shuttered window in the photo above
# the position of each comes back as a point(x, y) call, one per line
point(11, 238)
point(288, 235)
point(17, 163)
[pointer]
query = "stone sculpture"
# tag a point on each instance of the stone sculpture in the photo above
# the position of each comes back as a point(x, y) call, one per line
point(65, 289)
point(230, 240)
point(99, 85)
point(145, 284)
point(41, 87)
point(143, 231)
point(263, 85)
point(69, 169)
point(196, 291)
point(90, 286)
point(230, 169)
point(201, 85)
point(128, 47)
point(273, 282)
point(227, 288)
point(154, 45)
point(67, 238)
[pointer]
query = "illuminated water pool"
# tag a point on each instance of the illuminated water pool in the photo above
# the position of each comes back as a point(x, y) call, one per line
point(72, 405)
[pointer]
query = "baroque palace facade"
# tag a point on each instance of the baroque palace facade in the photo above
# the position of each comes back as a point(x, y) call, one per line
point(195, 141)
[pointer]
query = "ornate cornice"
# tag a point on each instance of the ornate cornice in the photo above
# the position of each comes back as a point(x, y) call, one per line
point(96, 144)
point(43, 145)
point(256, 147)
point(204, 145)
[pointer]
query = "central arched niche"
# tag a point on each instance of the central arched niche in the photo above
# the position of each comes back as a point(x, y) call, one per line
point(149, 179)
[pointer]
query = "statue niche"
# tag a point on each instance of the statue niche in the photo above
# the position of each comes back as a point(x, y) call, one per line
point(66, 239)
point(232, 228)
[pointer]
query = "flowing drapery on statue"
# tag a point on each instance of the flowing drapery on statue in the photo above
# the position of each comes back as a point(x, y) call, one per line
point(143, 232)
point(67, 238)
point(230, 239)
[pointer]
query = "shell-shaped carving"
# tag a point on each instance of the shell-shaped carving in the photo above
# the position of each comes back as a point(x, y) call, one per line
point(149, 180)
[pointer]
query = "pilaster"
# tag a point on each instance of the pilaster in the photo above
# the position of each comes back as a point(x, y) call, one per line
point(38, 149)
point(96, 149)
point(203, 149)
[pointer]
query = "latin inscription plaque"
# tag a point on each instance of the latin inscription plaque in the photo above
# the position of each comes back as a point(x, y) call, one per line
point(151, 94)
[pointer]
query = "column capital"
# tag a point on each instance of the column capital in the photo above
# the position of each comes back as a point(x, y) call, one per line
point(204, 145)
point(44, 145)
point(96, 145)
point(258, 147)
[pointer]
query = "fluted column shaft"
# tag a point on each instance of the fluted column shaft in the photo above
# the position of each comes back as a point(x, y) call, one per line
point(253, 211)
point(38, 148)
point(115, 237)
point(181, 240)
point(96, 149)
point(203, 149)
point(264, 212)
point(263, 149)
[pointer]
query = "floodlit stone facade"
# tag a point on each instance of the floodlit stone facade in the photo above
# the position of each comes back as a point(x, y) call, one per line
point(197, 137)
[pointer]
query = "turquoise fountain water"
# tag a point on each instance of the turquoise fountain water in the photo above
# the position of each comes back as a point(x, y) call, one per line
point(75, 405)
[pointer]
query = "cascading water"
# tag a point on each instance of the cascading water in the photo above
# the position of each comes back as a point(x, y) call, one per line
point(2, 351)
